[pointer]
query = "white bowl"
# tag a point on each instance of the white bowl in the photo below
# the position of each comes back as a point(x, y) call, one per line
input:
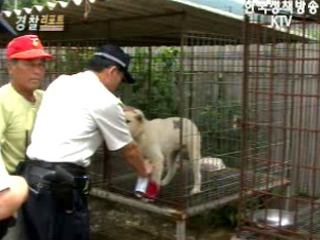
point(274, 218)
point(212, 164)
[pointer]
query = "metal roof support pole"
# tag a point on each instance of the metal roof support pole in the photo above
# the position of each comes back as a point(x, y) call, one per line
point(181, 229)
point(244, 127)
point(149, 87)
point(181, 99)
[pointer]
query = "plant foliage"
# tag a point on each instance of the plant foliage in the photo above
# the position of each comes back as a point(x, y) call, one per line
point(155, 89)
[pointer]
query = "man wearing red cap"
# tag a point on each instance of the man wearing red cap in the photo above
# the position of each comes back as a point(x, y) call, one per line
point(19, 102)
point(20, 98)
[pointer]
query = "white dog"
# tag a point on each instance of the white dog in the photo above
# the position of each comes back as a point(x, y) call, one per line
point(159, 141)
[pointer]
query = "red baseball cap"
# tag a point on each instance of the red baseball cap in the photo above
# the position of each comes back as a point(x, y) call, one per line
point(26, 47)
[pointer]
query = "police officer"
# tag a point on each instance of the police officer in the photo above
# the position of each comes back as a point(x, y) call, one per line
point(77, 113)
point(19, 103)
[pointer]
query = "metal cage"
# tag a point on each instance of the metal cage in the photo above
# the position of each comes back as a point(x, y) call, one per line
point(281, 131)
point(200, 79)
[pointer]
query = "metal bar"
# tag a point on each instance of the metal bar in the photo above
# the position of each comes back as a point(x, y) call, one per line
point(136, 203)
point(192, 211)
point(191, 83)
point(182, 59)
point(245, 147)
point(181, 229)
point(149, 82)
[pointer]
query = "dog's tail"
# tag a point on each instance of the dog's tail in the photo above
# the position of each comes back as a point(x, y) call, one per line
point(192, 140)
point(193, 145)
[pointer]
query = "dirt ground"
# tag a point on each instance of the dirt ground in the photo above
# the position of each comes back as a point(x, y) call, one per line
point(113, 221)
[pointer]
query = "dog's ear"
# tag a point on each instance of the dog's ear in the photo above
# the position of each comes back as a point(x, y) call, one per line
point(140, 116)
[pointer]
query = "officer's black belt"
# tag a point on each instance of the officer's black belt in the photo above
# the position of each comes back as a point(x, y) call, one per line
point(72, 168)
point(55, 172)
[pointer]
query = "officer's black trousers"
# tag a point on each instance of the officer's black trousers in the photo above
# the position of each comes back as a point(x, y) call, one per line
point(55, 209)
point(47, 219)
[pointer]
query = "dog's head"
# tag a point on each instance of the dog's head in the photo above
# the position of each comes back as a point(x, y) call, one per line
point(135, 120)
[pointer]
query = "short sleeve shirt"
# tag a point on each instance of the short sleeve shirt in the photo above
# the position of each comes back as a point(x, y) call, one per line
point(17, 116)
point(77, 113)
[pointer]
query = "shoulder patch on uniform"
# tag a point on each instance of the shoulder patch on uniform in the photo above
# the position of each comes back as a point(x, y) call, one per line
point(121, 104)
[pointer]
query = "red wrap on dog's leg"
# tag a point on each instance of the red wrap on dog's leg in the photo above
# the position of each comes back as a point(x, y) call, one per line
point(152, 190)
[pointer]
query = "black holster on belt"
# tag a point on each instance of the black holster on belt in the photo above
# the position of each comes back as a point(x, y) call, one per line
point(62, 185)
point(63, 193)
point(61, 178)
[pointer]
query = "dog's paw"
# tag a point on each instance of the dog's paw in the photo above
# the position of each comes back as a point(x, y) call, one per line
point(195, 190)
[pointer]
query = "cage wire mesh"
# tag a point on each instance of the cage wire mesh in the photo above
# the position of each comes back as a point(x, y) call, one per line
point(199, 80)
point(3, 65)
point(71, 56)
point(281, 131)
